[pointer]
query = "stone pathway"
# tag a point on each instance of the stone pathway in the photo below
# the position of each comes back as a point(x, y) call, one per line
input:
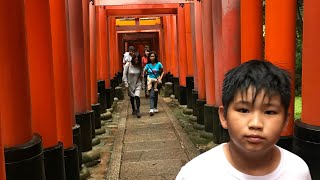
point(152, 147)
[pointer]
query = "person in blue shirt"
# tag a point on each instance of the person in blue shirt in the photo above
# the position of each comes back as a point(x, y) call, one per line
point(154, 70)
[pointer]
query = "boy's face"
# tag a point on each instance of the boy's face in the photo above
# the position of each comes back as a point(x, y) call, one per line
point(254, 127)
point(131, 52)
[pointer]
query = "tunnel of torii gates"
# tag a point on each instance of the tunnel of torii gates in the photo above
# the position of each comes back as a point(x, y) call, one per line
point(57, 56)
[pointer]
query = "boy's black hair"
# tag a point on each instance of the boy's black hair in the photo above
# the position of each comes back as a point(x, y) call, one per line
point(156, 57)
point(261, 75)
point(133, 62)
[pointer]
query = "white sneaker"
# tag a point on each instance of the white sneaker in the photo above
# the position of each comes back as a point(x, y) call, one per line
point(151, 112)
point(155, 110)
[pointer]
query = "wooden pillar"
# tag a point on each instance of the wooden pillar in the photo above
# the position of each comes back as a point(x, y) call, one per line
point(41, 71)
point(207, 30)
point(86, 41)
point(2, 160)
point(193, 46)
point(189, 52)
point(15, 95)
point(199, 50)
point(112, 47)
point(231, 34)
point(183, 66)
point(78, 61)
point(174, 47)
point(62, 73)
point(306, 131)
point(251, 30)
point(218, 49)
point(166, 63)
point(93, 53)
point(15, 107)
point(77, 56)
point(280, 46)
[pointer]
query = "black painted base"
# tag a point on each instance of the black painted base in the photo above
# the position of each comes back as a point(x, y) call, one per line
point(285, 142)
point(93, 124)
point(76, 140)
point(190, 86)
point(102, 95)
point(71, 160)
point(176, 87)
point(183, 95)
point(208, 118)
point(306, 144)
point(54, 162)
point(84, 121)
point(113, 85)
point(194, 101)
point(108, 99)
point(216, 125)
point(200, 109)
point(97, 119)
point(25, 161)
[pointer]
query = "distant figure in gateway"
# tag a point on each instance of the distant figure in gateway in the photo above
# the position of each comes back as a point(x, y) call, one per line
point(256, 98)
point(127, 56)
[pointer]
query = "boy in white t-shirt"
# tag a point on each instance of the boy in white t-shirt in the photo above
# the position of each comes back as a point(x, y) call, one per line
point(256, 98)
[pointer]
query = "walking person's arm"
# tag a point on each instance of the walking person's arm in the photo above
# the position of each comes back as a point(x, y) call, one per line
point(125, 74)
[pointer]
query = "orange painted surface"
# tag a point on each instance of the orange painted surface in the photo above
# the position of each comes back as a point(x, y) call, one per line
point(77, 55)
point(174, 49)
point(93, 55)
point(251, 29)
point(182, 51)
point(193, 47)
point(166, 60)
point(168, 45)
point(86, 41)
point(218, 49)
point(62, 73)
point(161, 47)
point(40, 60)
point(189, 51)
point(199, 50)
point(142, 9)
point(2, 160)
point(15, 106)
point(98, 39)
point(230, 34)
point(112, 46)
point(207, 32)
point(311, 64)
point(280, 43)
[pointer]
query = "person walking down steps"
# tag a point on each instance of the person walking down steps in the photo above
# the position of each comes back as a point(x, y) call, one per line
point(132, 78)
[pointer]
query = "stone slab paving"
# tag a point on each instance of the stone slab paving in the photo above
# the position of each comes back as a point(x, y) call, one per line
point(153, 147)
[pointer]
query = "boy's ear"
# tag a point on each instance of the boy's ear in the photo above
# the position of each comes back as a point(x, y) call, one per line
point(223, 120)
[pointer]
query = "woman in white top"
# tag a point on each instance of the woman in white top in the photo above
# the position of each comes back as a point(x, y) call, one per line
point(132, 77)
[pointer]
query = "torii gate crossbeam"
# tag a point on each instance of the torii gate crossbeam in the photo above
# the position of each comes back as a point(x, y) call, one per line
point(131, 2)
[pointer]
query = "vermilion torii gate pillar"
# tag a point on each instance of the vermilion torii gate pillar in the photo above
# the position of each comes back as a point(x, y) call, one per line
point(209, 108)
point(251, 30)
point(43, 107)
point(280, 46)
point(306, 138)
point(63, 86)
point(79, 77)
point(183, 66)
point(15, 107)
point(174, 55)
point(93, 67)
point(189, 53)
point(198, 111)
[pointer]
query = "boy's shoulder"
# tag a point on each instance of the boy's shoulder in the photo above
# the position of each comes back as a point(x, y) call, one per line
point(203, 166)
point(293, 164)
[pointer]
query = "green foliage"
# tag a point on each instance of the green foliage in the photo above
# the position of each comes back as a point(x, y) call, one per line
point(297, 107)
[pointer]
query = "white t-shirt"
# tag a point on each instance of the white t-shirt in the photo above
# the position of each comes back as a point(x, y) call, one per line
point(126, 58)
point(214, 165)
